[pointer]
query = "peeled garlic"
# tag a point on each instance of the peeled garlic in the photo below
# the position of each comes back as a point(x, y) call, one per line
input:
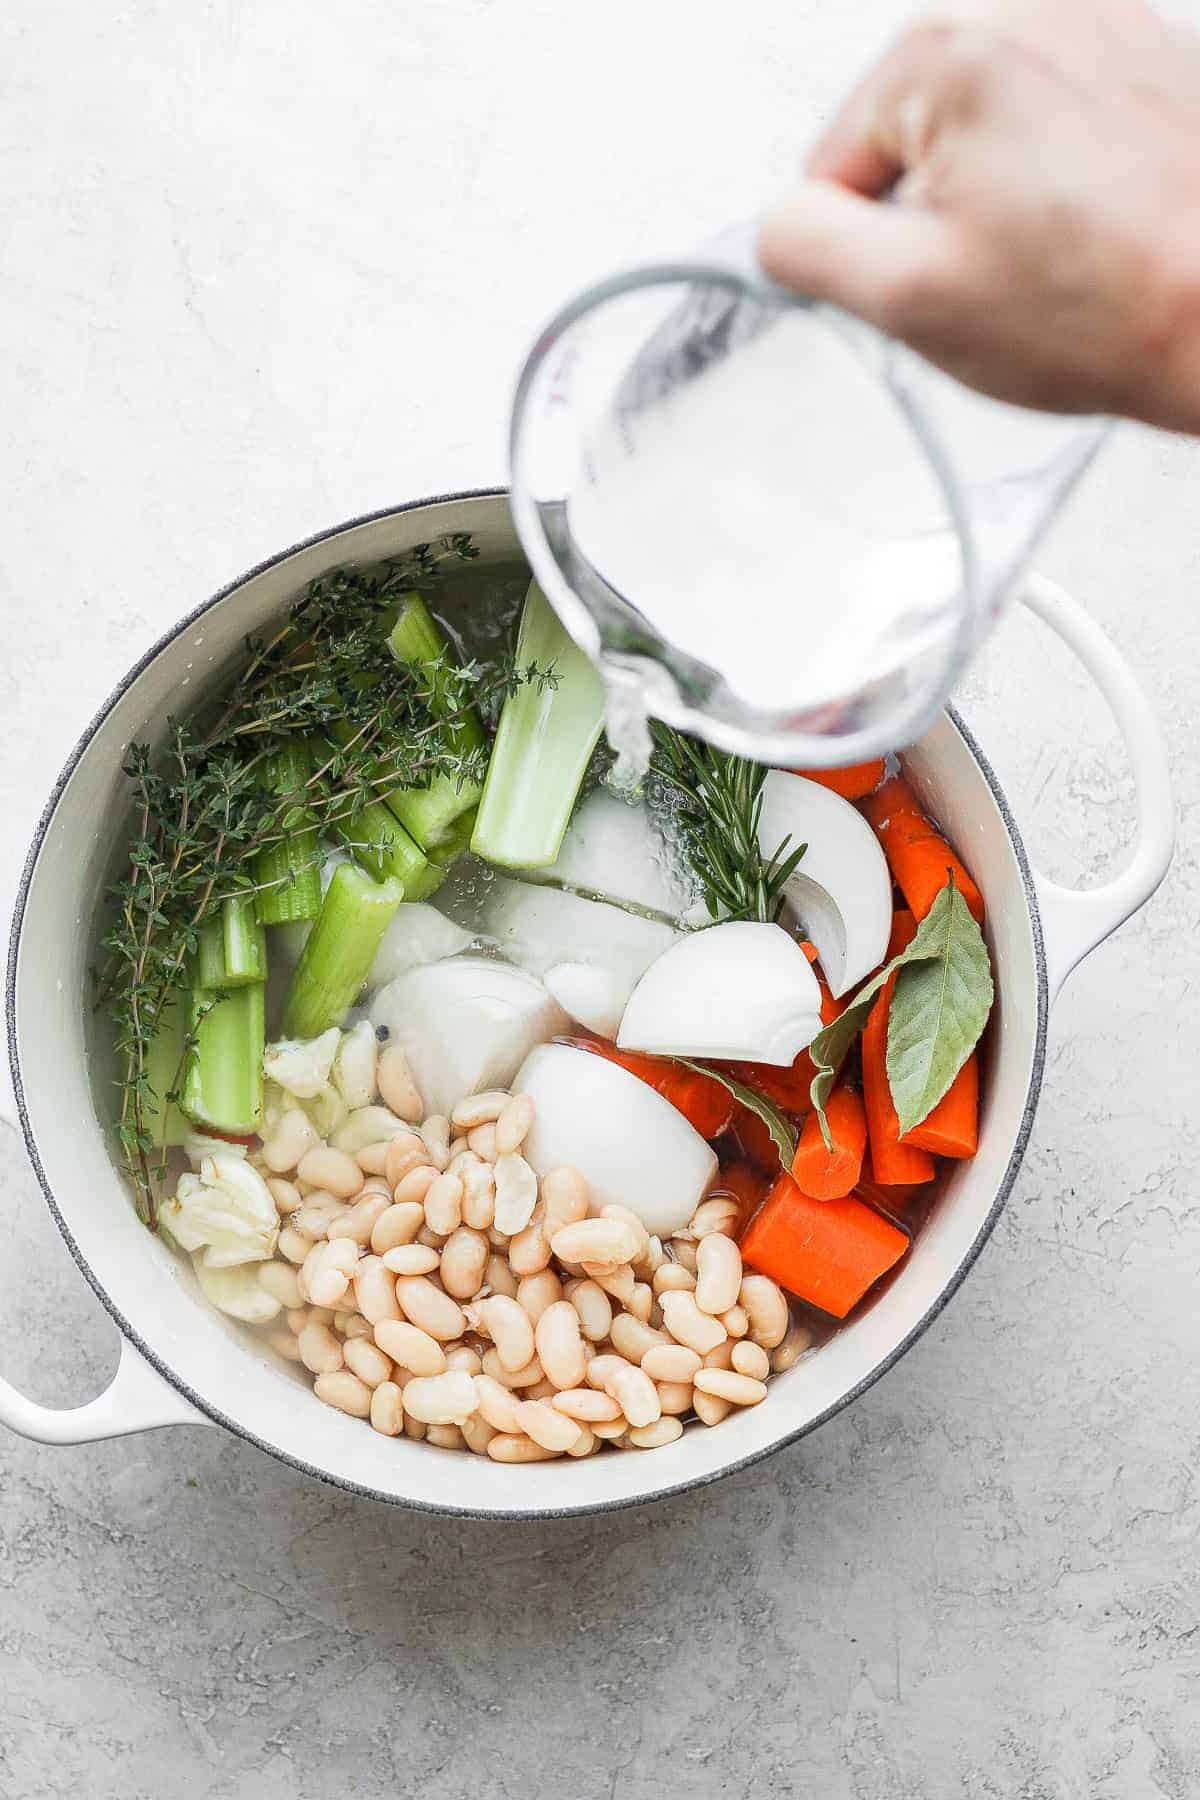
point(302, 1066)
point(225, 1213)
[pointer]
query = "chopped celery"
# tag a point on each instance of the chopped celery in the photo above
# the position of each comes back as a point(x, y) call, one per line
point(287, 874)
point(448, 849)
point(232, 949)
point(162, 1120)
point(429, 813)
point(546, 737)
point(379, 843)
point(341, 946)
point(223, 1088)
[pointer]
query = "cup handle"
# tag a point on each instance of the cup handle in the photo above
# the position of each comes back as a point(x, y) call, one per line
point(1074, 920)
point(136, 1399)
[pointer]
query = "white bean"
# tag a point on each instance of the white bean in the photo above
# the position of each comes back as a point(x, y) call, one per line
point(653, 1437)
point(721, 1357)
point(535, 1293)
point(440, 1399)
point(317, 1214)
point(415, 1184)
point(551, 1429)
point(464, 1263)
point(461, 1356)
point(788, 1353)
point(513, 1124)
point(584, 1444)
point(688, 1325)
point(405, 1152)
point(718, 1273)
point(719, 1214)
point(636, 1394)
point(482, 1140)
point(632, 1339)
point(319, 1349)
point(367, 1125)
point(411, 1259)
point(767, 1308)
point(602, 1368)
point(618, 1282)
point(387, 1409)
point(410, 1348)
point(435, 1133)
point(630, 1218)
point(477, 1434)
point(332, 1170)
point(527, 1377)
point(431, 1309)
point(398, 1225)
point(281, 1281)
point(368, 1363)
point(736, 1321)
point(284, 1344)
point(479, 1195)
point(594, 1309)
point(529, 1250)
point(341, 1388)
point(479, 1109)
point(672, 1278)
point(397, 1089)
point(443, 1204)
point(588, 1405)
point(293, 1244)
point(709, 1409)
point(360, 1219)
point(671, 1362)
point(506, 1447)
point(285, 1194)
point(684, 1252)
point(641, 1301)
point(445, 1437)
point(752, 1360)
point(352, 1325)
point(610, 1429)
point(293, 1137)
point(500, 1278)
point(510, 1329)
point(675, 1397)
point(497, 1404)
point(564, 1195)
point(560, 1345)
point(608, 1242)
point(727, 1384)
point(372, 1158)
point(375, 1290)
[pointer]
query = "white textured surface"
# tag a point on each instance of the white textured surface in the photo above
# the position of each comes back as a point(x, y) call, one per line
point(266, 267)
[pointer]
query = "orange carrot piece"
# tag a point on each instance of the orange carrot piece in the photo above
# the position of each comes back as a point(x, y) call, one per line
point(894, 1163)
point(825, 1174)
point(745, 1185)
point(755, 1141)
point(706, 1105)
point(828, 1252)
point(952, 1128)
point(853, 782)
point(904, 930)
point(919, 857)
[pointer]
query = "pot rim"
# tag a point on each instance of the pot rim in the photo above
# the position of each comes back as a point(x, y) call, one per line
point(214, 1413)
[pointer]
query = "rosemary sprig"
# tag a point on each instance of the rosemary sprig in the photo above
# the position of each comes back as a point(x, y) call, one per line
point(719, 806)
point(202, 809)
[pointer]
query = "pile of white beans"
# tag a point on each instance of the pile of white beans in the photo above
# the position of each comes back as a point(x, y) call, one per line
point(433, 1286)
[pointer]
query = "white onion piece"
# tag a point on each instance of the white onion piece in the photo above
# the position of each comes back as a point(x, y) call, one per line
point(842, 891)
point(465, 1025)
point(738, 990)
point(236, 1291)
point(418, 934)
point(541, 926)
point(615, 851)
point(630, 1145)
point(594, 997)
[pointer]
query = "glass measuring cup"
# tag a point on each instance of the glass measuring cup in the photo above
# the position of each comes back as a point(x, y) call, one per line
point(768, 523)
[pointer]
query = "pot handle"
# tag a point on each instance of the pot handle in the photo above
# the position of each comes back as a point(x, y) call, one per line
point(136, 1399)
point(1075, 920)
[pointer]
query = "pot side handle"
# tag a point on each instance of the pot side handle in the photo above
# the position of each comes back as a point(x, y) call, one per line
point(136, 1399)
point(1076, 920)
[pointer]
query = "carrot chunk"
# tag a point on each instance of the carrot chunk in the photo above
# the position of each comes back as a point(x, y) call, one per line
point(706, 1105)
point(894, 1162)
point(828, 1252)
point(825, 1174)
point(919, 857)
point(852, 782)
point(952, 1128)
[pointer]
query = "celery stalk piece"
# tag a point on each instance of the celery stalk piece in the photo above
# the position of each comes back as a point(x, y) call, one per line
point(223, 1088)
point(232, 948)
point(544, 742)
point(429, 813)
point(379, 843)
point(288, 874)
point(337, 958)
point(456, 843)
point(161, 1118)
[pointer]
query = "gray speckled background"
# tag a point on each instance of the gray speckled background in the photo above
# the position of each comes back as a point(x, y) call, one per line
point(267, 266)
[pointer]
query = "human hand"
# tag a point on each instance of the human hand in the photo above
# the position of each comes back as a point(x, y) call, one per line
point(1044, 244)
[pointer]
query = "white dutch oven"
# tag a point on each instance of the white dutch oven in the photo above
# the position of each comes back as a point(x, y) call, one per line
point(183, 1363)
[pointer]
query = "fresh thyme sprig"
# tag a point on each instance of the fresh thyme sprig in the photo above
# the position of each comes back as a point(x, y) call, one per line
point(203, 811)
point(718, 801)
